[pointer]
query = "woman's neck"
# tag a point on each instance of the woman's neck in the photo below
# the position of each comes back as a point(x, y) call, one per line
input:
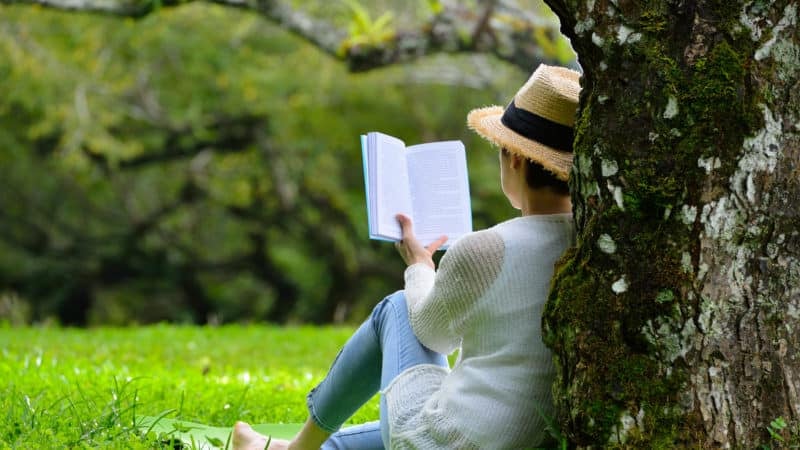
point(545, 201)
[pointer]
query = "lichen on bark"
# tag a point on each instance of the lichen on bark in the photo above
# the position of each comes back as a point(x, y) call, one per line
point(679, 97)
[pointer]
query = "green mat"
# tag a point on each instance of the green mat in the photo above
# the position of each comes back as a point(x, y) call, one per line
point(199, 436)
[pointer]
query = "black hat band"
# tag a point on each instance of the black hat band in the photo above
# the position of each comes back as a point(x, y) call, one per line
point(538, 128)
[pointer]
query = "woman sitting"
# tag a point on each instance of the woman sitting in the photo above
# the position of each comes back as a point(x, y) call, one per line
point(486, 297)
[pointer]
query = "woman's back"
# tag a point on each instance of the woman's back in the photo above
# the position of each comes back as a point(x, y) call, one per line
point(493, 284)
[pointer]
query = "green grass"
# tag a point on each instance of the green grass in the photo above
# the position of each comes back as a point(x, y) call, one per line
point(71, 388)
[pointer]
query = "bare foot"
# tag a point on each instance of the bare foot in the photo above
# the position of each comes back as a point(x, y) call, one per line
point(246, 438)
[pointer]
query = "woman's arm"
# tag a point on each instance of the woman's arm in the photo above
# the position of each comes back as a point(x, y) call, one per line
point(440, 302)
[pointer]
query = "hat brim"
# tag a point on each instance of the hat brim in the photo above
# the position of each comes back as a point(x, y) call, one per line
point(486, 122)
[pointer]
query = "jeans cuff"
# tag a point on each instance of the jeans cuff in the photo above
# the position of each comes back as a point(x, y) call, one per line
point(313, 414)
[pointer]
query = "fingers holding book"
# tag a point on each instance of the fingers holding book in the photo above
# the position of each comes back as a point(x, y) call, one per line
point(410, 248)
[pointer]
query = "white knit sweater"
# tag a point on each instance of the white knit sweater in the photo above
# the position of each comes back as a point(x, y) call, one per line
point(487, 297)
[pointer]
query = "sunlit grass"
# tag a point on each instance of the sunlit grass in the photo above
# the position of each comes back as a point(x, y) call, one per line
point(88, 388)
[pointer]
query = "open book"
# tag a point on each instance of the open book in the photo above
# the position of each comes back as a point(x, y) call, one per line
point(427, 182)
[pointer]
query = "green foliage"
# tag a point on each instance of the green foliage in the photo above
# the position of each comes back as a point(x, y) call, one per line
point(558, 440)
point(67, 388)
point(665, 296)
point(432, 6)
point(363, 30)
point(775, 427)
point(782, 434)
point(201, 164)
point(554, 45)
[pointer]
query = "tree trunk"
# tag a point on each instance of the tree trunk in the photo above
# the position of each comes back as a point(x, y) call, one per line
point(673, 321)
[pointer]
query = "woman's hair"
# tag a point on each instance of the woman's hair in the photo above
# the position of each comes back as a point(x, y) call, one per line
point(538, 177)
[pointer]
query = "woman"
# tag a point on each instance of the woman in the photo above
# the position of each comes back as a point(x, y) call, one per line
point(486, 298)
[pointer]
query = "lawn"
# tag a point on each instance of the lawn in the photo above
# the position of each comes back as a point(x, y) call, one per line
point(76, 388)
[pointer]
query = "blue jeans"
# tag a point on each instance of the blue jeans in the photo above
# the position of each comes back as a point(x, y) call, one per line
point(382, 347)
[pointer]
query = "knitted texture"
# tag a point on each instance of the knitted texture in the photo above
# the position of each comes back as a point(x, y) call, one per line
point(487, 296)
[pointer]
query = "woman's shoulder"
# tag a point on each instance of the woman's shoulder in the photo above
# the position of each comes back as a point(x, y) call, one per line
point(536, 222)
point(536, 228)
point(517, 231)
point(477, 241)
point(478, 248)
point(472, 263)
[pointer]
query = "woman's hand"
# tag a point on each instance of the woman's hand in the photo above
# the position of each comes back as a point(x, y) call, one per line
point(409, 247)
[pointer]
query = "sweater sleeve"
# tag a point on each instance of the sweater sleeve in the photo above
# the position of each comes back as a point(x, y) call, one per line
point(439, 302)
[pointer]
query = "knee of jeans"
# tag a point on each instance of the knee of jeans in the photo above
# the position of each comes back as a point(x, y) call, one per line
point(395, 301)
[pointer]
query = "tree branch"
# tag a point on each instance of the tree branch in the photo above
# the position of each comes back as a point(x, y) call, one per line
point(229, 135)
point(507, 36)
point(483, 23)
point(118, 8)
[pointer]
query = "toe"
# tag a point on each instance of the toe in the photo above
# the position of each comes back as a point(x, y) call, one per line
point(242, 426)
point(246, 438)
point(241, 435)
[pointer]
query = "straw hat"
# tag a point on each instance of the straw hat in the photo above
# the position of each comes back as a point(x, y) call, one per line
point(538, 122)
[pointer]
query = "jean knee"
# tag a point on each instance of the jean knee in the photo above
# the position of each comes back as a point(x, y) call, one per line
point(395, 302)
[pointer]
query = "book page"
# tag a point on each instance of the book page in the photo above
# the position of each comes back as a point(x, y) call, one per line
point(439, 187)
point(391, 185)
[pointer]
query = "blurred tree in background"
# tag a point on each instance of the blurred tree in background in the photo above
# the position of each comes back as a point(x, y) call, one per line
point(202, 163)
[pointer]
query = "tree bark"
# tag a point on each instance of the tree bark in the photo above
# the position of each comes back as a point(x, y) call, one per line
point(673, 321)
